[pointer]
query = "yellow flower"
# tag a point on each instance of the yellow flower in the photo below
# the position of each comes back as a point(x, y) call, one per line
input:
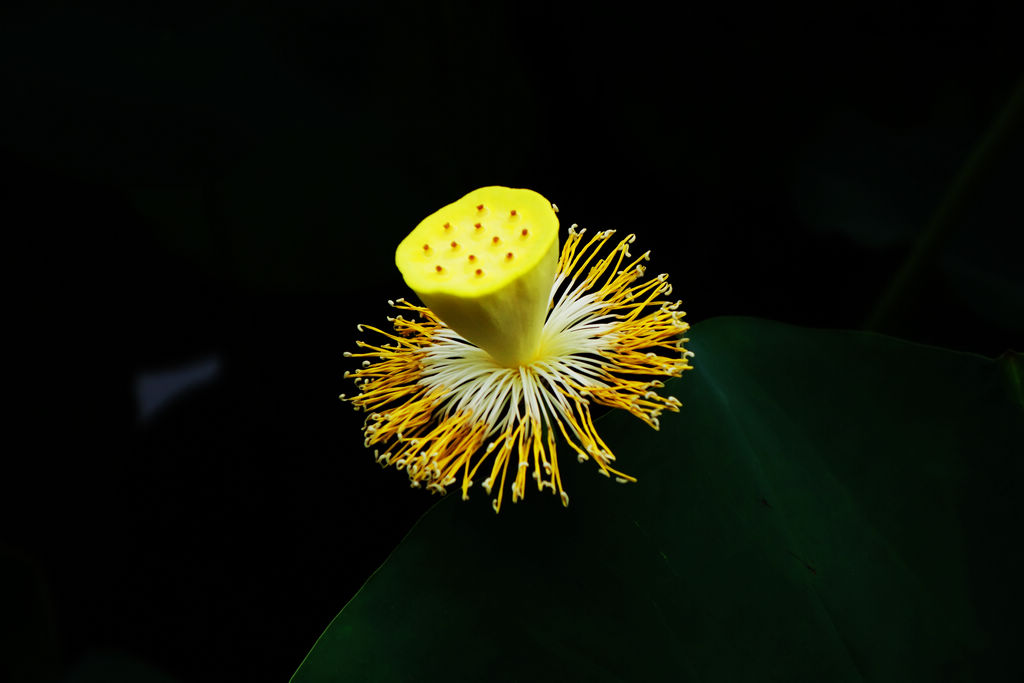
point(514, 343)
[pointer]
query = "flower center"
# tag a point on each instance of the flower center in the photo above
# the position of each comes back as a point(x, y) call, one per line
point(485, 265)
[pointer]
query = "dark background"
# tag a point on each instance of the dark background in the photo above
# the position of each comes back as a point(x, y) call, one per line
point(222, 188)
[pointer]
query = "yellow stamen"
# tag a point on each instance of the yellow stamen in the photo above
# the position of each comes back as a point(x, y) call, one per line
point(439, 407)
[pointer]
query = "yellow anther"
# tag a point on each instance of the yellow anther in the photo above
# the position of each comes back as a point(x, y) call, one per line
point(441, 412)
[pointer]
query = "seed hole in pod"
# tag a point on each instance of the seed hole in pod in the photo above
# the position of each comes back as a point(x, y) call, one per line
point(508, 256)
point(495, 239)
point(426, 247)
point(512, 212)
point(439, 268)
point(479, 207)
point(479, 272)
point(455, 245)
point(525, 232)
point(472, 257)
point(447, 226)
point(477, 226)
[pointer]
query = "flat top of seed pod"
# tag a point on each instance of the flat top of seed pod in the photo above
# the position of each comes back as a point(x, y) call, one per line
point(478, 244)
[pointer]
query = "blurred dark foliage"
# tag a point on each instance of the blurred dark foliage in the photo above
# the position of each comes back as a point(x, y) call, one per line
point(229, 181)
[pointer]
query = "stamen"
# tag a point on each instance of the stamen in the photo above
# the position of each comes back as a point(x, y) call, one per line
point(440, 410)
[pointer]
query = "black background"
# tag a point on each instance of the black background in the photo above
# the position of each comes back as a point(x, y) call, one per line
point(189, 181)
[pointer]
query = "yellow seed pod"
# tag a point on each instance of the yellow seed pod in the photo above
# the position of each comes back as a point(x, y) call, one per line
point(485, 265)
